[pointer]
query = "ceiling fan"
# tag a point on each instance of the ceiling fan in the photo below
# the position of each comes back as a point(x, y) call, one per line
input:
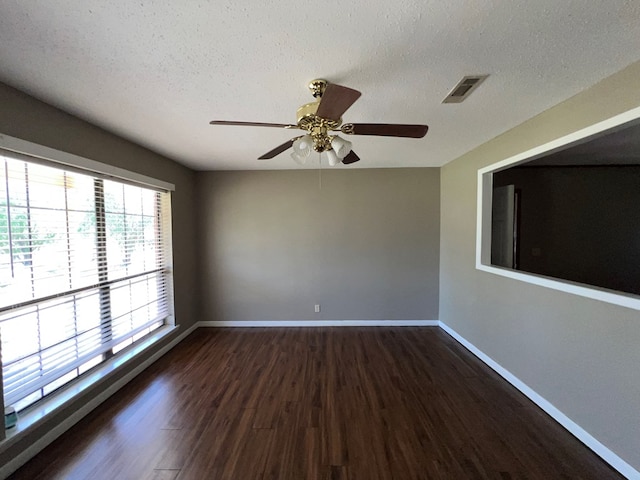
point(323, 116)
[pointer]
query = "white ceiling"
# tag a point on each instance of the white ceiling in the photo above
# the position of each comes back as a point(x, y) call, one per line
point(156, 72)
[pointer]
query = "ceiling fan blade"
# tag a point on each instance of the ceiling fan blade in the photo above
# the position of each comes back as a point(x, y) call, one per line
point(335, 100)
point(251, 124)
point(279, 149)
point(385, 129)
point(350, 158)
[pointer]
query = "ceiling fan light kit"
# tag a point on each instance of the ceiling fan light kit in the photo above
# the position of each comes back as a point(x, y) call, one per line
point(323, 116)
point(331, 157)
point(302, 149)
point(341, 146)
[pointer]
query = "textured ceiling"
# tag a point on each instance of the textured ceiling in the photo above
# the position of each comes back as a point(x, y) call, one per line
point(156, 72)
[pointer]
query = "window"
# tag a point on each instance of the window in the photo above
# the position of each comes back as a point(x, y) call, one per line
point(564, 215)
point(84, 272)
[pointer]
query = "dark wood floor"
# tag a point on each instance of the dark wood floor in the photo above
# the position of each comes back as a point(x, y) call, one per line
point(332, 403)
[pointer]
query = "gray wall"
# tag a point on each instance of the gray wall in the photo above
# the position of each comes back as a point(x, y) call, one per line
point(581, 355)
point(364, 245)
point(27, 118)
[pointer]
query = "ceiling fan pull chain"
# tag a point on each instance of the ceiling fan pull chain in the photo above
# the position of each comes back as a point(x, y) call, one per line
point(320, 172)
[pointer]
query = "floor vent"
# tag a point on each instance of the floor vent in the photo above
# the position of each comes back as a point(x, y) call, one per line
point(464, 88)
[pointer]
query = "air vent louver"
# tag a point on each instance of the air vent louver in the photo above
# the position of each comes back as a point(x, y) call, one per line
point(464, 88)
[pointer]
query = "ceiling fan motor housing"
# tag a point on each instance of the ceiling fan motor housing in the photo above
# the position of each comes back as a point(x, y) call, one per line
point(316, 126)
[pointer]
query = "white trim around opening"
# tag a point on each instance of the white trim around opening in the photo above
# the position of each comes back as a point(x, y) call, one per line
point(483, 230)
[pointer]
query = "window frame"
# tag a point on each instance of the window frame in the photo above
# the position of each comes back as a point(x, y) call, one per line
point(484, 204)
point(34, 153)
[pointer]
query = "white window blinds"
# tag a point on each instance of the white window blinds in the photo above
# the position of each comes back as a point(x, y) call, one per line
point(84, 272)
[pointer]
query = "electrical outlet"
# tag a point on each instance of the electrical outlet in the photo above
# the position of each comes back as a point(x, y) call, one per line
point(317, 308)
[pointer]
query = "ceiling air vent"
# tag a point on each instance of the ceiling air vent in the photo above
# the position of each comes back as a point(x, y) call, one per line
point(464, 88)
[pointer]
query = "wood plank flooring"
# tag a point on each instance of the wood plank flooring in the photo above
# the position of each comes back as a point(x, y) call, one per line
point(317, 404)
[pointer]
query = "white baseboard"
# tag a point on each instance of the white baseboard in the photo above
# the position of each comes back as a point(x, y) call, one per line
point(320, 323)
point(30, 452)
point(607, 455)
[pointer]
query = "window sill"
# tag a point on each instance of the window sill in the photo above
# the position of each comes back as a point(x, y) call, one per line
point(622, 299)
point(36, 414)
